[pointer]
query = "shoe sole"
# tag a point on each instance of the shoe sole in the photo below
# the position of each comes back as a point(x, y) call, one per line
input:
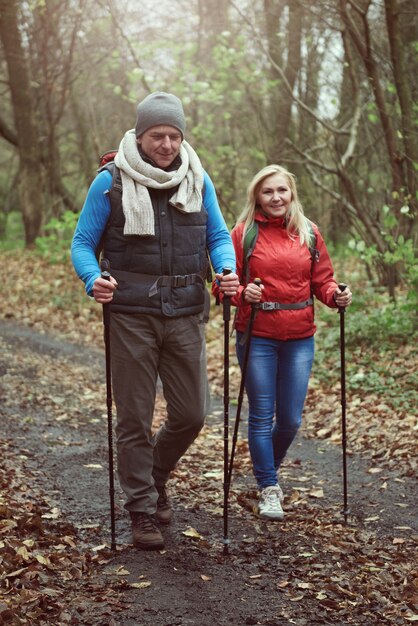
point(149, 546)
point(278, 517)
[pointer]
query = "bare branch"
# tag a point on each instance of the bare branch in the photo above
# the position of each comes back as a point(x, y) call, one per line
point(369, 61)
point(283, 77)
point(331, 192)
point(128, 43)
point(349, 153)
point(69, 64)
point(310, 160)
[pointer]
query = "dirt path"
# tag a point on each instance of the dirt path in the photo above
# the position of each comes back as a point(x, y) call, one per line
point(310, 569)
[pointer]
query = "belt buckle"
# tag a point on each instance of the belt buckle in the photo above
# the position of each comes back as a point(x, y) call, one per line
point(268, 306)
point(180, 281)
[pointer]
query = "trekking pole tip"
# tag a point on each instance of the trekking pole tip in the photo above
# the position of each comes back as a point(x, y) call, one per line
point(226, 543)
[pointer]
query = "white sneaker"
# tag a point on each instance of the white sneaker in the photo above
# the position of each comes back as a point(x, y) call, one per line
point(269, 504)
point(281, 494)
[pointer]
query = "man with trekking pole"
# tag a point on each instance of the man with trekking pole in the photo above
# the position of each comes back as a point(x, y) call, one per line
point(156, 218)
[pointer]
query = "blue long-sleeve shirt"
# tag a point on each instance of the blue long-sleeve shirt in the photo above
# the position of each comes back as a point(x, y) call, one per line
point(95, 215)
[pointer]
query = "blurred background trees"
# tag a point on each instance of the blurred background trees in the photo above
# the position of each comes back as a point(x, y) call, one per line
point(327, 89)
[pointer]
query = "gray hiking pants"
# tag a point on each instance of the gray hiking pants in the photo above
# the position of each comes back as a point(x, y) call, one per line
point(144, 347)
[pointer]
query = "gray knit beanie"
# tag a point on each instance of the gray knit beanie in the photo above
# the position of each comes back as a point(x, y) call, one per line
point(160, 108)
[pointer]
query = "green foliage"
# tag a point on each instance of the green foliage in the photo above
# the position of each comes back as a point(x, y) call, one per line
point(13, 236)
point(375, 329)
point(55, 244)
point(379, 375)
point(399, 252)
point(372, 321)
point(232, 95)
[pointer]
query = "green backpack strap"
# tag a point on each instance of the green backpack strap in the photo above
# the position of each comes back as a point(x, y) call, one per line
point(312, 243)
point(249, 245)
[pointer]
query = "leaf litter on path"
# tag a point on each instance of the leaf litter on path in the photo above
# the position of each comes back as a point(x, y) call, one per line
point(317, 569)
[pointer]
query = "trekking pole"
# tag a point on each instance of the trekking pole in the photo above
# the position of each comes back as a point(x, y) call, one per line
point(341, 311)
point(257, 281)
point(106, 322)
point(226, 317)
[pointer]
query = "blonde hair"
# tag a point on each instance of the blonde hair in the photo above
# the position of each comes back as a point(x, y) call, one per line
point(296, 221)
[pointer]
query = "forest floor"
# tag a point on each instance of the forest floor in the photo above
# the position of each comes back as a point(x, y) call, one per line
point(56, 565)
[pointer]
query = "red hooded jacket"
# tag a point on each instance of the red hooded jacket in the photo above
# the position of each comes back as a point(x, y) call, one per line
point(288, 274)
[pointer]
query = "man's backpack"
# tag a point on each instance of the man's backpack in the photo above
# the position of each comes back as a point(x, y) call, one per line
point(107, 157)
point(250, 241)
point(107, 162)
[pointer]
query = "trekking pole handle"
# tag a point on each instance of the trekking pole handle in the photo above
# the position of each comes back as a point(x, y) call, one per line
point(106, 275)
point(225, 272)
point(104, 269)
point(258, 282)
point(341, 287)
point(227, 299)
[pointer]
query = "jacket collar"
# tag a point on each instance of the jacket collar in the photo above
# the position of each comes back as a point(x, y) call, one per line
point(279, 222)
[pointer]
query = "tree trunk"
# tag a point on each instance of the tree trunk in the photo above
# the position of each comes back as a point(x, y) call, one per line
point(52, 70)
point(402, 81)
point(365, 49)
point(399, 151)
point(30, 175)
point(284, 96)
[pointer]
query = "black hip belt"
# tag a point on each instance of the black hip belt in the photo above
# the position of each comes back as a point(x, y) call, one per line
point(277, 306)
point(179, 280)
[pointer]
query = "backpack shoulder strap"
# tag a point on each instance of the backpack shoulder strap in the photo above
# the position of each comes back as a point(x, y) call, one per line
point(248, 247)
point(312, 249)
point(115, 192)
point(116, 184)
point(312, 243)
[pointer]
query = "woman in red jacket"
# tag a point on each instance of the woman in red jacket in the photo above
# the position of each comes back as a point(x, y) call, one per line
point(282, 342)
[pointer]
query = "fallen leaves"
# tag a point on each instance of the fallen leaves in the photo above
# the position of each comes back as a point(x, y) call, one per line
point(316, 493)
point(142, 585)
point(35, 562)
point(345, 572)
point(192, 532)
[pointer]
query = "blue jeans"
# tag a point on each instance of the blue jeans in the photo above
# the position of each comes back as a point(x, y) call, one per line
point(276, 385)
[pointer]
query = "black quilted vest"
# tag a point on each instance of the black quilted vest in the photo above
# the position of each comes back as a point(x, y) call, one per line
point(163, 274)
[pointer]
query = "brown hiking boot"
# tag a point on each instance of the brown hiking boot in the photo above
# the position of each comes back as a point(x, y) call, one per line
point(145, 532)
point(164, 511)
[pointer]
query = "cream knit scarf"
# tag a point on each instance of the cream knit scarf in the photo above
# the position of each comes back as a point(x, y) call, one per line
point(137, 175)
